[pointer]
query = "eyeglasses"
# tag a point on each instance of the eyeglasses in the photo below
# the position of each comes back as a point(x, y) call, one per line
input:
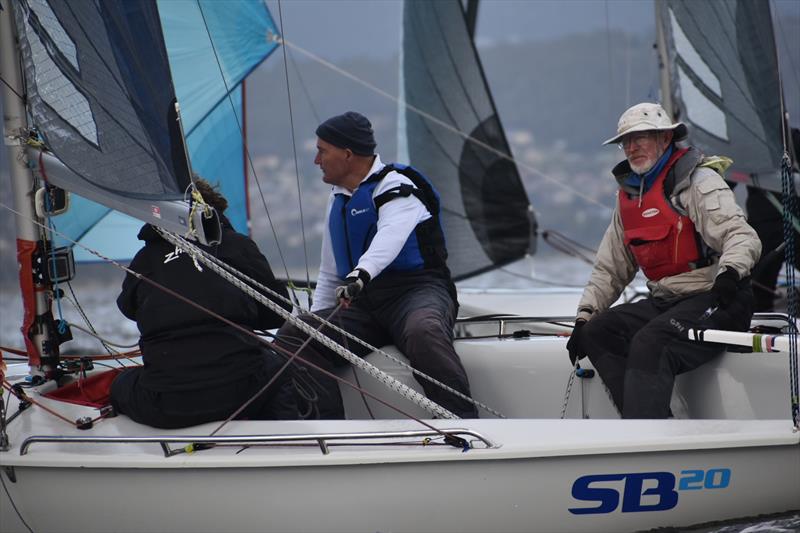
point(636, 138)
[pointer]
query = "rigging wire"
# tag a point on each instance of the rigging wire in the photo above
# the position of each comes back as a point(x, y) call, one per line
point(239, 279)
point(77, 305)
point(14, 505)
point(347, 74)
point(246, 149)
point(12, 89)
point(294, 154)
point(105, 341)
point(538, 280)
point(306, 92)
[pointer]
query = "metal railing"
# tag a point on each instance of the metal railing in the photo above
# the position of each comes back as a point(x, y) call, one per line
point(323, 440)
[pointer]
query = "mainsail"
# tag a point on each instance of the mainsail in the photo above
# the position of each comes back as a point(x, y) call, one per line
point(721, 74)
point(453, 135)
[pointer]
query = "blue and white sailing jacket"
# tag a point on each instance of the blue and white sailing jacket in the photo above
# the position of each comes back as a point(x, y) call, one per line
point(357, 237)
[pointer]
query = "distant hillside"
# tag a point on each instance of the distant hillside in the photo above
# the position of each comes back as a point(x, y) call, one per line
point(558, 100)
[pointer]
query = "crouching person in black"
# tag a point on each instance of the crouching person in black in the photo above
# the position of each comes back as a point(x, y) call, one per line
point(197, 368)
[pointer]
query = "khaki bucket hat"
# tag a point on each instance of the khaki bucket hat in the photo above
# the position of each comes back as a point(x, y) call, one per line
point(647, 117)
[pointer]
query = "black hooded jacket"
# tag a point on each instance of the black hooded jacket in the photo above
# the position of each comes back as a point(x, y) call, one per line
point(185, 348)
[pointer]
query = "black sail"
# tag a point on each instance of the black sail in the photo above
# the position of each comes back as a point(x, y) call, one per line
point(486, 214)
point(723, 81)
point(101, 96)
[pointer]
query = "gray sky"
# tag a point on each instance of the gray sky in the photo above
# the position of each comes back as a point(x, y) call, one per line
point(344, 28)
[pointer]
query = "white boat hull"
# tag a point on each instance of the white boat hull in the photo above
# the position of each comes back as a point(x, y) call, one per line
point(731, 452)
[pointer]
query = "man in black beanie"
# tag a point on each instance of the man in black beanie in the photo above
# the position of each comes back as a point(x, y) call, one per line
point(384, 258)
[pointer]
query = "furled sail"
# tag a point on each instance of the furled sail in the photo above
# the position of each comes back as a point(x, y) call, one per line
point(721, 73)
point(485, 211)
point(100, 94)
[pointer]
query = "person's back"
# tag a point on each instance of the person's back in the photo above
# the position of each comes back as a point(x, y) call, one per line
point(198, 368)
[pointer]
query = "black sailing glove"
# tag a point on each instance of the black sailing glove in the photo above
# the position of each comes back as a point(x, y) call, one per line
point(573, 344)
point(725, 287)
point(353, 285)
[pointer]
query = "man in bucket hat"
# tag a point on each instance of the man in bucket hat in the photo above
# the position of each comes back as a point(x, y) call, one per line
point(384, 261)
point(677, 220)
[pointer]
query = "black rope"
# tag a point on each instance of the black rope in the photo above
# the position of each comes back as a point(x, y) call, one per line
point(88, 322)
point(294, 151)
point(10, 88)
point(789, 205)
point(14, 505)
point(564, 244)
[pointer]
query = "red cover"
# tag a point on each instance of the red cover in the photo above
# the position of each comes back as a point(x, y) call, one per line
point(94, 391)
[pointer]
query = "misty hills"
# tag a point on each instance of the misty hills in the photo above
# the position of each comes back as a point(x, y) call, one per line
point(558, 100)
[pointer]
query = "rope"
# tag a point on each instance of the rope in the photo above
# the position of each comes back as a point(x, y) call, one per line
point(555, 181)
point(422, 401)
point(272, 380)
point(244, 145)
point(569, 389)
point(235, 277)
point(102, 339)
point(789, 206)
point(225, 272)
point(564, 244)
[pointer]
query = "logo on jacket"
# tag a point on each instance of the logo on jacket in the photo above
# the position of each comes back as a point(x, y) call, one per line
point(171, 256)
point(650, 213)
point(354, 211)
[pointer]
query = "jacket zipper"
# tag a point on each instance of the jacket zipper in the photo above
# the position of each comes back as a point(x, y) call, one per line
point(346, 236)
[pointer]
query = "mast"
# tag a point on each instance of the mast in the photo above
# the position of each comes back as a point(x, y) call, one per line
point(42, 352)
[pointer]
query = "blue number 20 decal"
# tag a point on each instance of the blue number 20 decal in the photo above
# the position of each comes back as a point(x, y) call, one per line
point(715, 478)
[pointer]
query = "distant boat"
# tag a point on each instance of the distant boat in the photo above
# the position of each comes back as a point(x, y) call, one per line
point(101, 98)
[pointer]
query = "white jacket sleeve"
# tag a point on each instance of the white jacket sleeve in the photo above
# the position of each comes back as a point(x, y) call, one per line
point(396, 220)
point(328, 279)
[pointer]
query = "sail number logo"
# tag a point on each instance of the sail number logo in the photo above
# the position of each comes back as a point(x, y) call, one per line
point(642, 491)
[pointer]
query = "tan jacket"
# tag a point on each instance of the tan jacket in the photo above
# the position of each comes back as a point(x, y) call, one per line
point(708, 201)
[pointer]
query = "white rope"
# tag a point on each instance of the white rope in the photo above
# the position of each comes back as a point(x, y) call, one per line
point(390, 382)
point(195, 252)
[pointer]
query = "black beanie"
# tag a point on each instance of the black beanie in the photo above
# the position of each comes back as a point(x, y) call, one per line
point(351, 130)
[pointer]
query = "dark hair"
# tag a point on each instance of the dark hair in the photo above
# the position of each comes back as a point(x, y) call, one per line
point(210, 194)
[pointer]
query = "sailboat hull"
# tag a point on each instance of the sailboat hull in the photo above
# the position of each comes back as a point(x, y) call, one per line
point(621, 476)
point(732, 452)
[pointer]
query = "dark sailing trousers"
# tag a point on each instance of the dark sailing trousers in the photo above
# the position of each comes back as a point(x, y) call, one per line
point(638, 348)
point(417, 318)
point(184, 408)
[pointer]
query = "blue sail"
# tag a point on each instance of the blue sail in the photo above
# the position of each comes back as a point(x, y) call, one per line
point(212, 47)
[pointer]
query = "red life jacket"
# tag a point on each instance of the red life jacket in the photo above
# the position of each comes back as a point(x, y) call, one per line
point(662, 240)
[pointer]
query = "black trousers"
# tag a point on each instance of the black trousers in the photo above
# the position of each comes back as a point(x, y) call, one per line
point(417, 317)
point(639, 348)
point(178, 409)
